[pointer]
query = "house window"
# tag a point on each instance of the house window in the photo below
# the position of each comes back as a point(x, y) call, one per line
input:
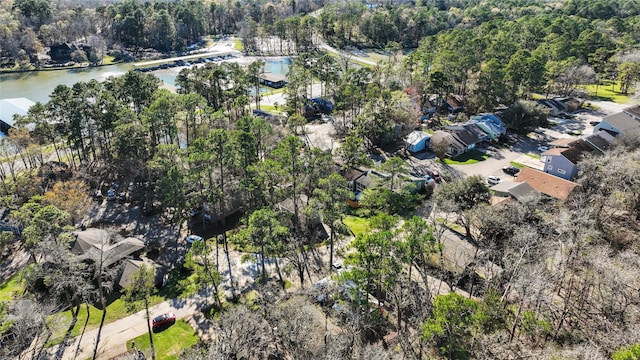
point(549, 167)
point(561, 171)
point(548, 159)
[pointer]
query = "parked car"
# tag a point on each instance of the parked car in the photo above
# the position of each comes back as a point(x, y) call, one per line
point(511, 170)
point(436, 176)
point(193, 238)
point(164, 320)
point(543, 148)
point(494, 180)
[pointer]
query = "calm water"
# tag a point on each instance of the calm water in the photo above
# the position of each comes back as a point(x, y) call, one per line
point(38, 85)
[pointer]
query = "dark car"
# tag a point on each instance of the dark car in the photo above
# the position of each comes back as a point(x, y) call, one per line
point(511, 170)
point(164, 320)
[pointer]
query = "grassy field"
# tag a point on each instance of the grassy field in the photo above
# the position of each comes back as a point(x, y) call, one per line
point(357, 225)
point(470, 157)
point(12, 287)
point(608, 91)
point(168, 343)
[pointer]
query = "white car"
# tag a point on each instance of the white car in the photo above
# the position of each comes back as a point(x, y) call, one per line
point(543, 148)
point(494, 180)
point(193, 238)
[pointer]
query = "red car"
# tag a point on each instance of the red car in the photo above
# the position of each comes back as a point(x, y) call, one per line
point(436, 176)
point(163, 320)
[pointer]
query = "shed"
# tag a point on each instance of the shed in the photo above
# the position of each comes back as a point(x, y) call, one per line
point(417, 141)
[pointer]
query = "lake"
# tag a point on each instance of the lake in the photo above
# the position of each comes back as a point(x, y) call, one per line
point(38, 85)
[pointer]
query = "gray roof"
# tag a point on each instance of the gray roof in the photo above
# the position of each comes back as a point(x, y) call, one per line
point(518, 190)
point(273, 77)
point(633, 111)
point(14, 106)
point(131, 266)
point(622, 121)
point(465, 136)
point(95, 240)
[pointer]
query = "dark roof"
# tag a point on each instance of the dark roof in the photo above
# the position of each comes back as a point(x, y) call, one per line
point(353, 174)
point(600, 141)
point(477, 130)
point(573, 153)
point(463, 135)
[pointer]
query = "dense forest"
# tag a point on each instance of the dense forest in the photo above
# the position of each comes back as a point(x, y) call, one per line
point(559, 279)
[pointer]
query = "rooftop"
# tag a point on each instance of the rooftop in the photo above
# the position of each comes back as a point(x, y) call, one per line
point(546, 183)
point(622, 121)
point(14, 106)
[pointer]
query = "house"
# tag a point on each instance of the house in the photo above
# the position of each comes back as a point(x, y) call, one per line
point(546, 184)
point(454, 146)
point(417, 141)
point(520, 191)
point(490, 124)
point(563, 162)
point(600, 141)
point(9, 108)
point(61, 53)
point(564, 143)
point(93, 241)
point(351, 175)
point(131, 266)
point(273, 80)
point(570, 103)
point(454, 104)
point(619, 123)
point(555, 107)
point(466, 135)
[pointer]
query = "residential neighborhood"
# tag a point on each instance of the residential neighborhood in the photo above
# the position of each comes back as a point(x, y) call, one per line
point(319, 180)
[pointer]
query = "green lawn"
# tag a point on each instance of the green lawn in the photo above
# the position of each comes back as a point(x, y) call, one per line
point(471, 157)
point(168, 343)
point(516, 164)
point(608, 91)
point(12, 287)
point(534, 156)
point(115, 311)
point(357, 225)
point(179, 285)
point(237, 44)
point(108, 60)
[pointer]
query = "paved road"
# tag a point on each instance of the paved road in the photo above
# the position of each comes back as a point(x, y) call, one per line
point(115, 335)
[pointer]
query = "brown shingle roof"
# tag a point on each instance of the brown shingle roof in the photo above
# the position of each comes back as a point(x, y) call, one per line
point(546, 183)
point(563, 142)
